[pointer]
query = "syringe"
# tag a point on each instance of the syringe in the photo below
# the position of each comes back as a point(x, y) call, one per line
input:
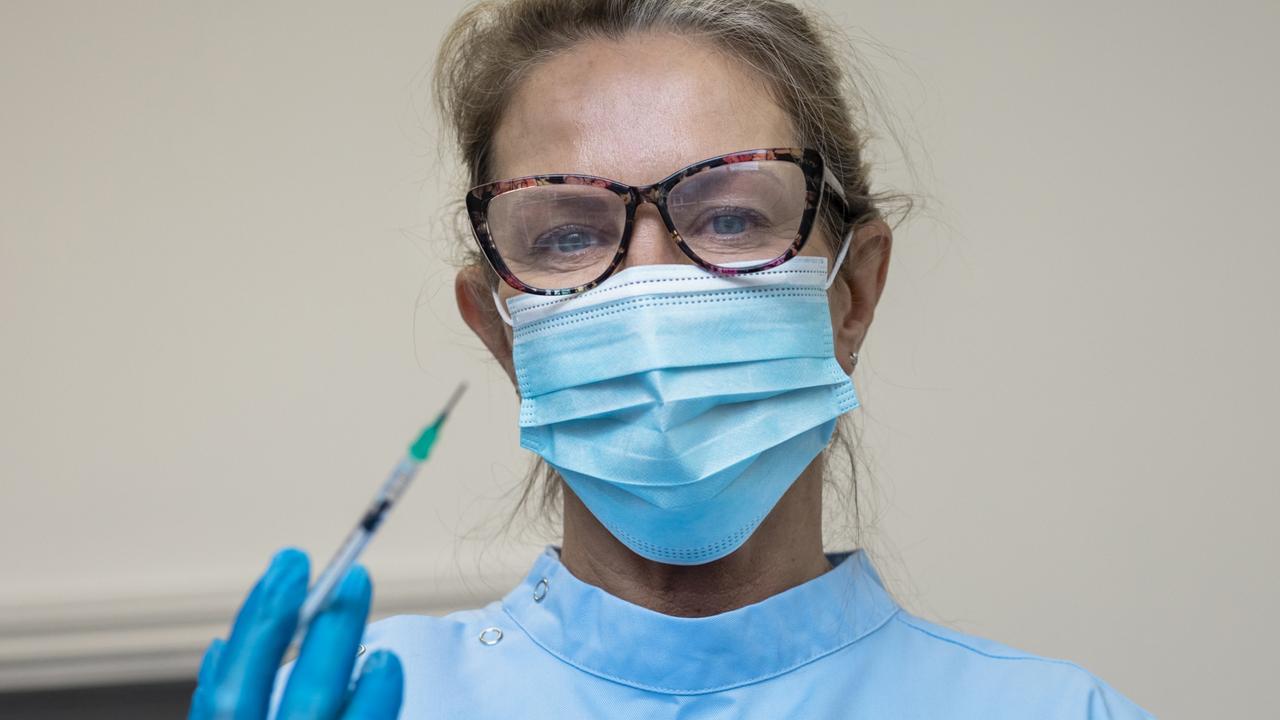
point(387, 495)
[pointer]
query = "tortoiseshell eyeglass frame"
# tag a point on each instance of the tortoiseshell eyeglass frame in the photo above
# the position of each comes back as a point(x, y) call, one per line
point(817, 178)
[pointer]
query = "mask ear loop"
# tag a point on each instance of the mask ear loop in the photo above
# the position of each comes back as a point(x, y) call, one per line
point(835, 269)
point(502, 309)
point(497, 302)
point(829, 178)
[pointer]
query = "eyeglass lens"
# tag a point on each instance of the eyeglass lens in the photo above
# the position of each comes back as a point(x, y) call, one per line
point(564, 235)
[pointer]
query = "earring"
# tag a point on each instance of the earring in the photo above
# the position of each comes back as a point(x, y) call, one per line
point(853, 359)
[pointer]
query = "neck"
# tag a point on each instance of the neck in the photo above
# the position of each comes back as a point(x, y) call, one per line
point(785, 551)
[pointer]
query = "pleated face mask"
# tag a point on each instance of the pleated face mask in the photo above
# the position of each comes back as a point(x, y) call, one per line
point(679, 404)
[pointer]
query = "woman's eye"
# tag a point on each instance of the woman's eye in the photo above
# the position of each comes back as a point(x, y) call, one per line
point(567, 241)
point(728, 224)
point(732, 222)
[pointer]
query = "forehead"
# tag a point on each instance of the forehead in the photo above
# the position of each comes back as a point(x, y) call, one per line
point(635, 110)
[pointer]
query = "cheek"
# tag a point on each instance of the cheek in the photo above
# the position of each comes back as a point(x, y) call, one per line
point(818, 245)
point(505, 291)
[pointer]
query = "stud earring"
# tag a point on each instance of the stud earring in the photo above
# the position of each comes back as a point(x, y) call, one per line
point(853, 359)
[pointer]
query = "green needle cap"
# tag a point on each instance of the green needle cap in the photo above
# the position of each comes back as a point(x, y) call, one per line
point(421, 447)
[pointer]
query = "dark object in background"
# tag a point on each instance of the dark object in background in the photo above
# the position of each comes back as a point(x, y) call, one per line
point(137, 702)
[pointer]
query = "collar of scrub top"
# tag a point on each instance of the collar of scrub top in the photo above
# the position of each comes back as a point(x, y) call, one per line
point(629, 644)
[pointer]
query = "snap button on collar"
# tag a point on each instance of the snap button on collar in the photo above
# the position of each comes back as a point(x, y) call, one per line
point(540, 590)
point(490, 636)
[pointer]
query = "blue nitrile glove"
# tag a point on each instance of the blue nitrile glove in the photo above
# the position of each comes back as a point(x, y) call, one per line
point(237, 675)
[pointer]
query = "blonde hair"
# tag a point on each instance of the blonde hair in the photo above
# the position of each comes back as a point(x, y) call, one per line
point(494, 44)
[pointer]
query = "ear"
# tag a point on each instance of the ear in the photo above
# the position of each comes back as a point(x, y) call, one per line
point(858, 290)
point(471, 290)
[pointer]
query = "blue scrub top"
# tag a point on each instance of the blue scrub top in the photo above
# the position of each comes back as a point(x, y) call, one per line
point(837, 646)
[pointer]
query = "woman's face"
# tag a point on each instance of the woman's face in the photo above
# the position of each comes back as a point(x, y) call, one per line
point(636, 110)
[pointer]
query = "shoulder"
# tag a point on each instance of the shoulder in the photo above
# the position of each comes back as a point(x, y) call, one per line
point(993, 675)
point(436, 635)
point(432, 649)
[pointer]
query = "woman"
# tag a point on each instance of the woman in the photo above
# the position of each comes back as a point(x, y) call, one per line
point(682, 256)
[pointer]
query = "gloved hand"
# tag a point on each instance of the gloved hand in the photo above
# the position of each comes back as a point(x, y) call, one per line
point(237, 675)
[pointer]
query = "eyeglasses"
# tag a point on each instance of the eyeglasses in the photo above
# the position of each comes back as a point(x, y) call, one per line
point(733, 214)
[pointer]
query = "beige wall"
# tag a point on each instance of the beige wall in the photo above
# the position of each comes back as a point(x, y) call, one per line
point(225, 309)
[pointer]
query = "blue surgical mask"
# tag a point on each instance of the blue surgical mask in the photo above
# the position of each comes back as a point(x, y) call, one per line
point(679, 404)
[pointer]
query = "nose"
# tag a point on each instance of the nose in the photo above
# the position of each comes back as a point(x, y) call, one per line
point(651, 242)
